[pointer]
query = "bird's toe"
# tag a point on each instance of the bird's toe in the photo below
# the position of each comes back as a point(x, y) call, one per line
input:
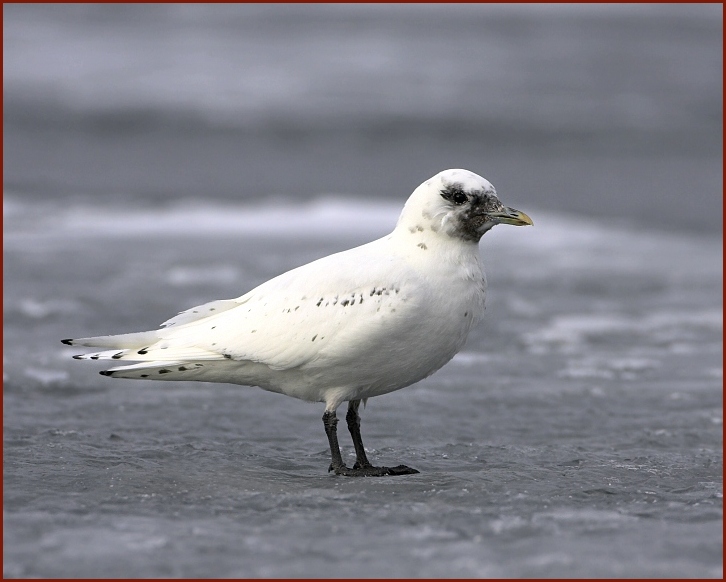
point(401, 470)
point(371, 471)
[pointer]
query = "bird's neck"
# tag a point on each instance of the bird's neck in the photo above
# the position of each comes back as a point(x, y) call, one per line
point(422, 245)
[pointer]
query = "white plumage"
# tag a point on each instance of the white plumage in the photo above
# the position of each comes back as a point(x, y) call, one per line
point(346, 327)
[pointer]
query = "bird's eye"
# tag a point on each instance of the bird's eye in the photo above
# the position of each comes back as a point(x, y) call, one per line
point(455, 194)
point(459, 198)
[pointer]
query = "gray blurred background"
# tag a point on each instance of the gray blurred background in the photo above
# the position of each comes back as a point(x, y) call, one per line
point(594, 109)
point(161, 156)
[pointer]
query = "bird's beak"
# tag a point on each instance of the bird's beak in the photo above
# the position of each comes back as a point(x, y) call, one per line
point(511, 216)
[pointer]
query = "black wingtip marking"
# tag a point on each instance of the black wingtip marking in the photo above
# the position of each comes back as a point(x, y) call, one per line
point(105, 373)
point(68, 342)
point(117, 356)
point(77, 357)
point(143, 351)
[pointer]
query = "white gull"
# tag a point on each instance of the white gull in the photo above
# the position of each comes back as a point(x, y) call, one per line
point(344, 328)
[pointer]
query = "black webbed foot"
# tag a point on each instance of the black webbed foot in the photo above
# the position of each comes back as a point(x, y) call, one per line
point(362, 467)
point(371, 471)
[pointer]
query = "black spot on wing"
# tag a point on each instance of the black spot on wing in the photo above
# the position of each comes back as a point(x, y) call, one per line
point(68, 342)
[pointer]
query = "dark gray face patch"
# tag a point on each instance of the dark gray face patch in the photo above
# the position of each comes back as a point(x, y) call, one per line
point(471, 209)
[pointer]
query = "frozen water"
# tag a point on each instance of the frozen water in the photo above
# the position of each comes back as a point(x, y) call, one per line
point(578, 433)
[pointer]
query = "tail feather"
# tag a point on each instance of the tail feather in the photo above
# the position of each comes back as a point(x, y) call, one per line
point(124, 341)
point(160, 352)
point(156, 371)
point(163, 354)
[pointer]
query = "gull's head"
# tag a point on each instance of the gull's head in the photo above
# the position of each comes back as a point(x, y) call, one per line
point(459, 204)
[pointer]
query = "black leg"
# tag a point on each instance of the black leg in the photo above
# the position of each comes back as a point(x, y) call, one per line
point(353, 420)
point(362, 467)
point(330, 421)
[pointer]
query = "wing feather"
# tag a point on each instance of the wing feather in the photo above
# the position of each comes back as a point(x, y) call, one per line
point(201, 311)
point(289, 321)
point(292, 320)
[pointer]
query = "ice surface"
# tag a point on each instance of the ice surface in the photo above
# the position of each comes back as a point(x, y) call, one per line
point(578, 433)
